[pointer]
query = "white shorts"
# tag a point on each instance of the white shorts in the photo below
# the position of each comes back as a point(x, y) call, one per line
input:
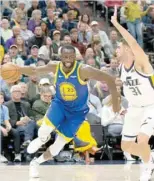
point(138, 120)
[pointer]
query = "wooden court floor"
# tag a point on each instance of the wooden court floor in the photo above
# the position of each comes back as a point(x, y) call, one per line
point(112, 172)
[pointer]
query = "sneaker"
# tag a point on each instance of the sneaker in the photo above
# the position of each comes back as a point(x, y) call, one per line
point(26, 143)
point(146, 174)
point(33, 169)
point(35, 145)
point(17, 158)
point(128, 157)
point(3, 159)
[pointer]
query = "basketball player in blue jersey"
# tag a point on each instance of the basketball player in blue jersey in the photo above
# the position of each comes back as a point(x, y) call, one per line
point(69, 107)
point(137, 76)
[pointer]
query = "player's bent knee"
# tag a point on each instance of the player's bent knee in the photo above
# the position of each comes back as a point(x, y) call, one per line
point(143, 138)
point(126, 145)
point(44, 132)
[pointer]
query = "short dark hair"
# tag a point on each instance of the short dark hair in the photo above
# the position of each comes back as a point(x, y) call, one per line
point(2, 94)
point(68, 47)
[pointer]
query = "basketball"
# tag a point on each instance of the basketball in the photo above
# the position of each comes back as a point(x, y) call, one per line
point(10, 73)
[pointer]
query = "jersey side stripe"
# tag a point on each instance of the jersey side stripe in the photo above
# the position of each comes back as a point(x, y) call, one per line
point(151, 79)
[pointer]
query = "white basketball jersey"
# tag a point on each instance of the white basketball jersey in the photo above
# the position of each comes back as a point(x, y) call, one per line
point(137, 87)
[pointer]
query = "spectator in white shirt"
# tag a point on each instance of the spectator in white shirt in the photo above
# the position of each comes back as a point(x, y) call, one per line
point(6, 32)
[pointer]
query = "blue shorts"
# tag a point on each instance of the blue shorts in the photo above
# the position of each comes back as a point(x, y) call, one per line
point(65, 122)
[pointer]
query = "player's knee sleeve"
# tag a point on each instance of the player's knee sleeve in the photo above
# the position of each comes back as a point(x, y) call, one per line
point(57, 146)
point(44, 132)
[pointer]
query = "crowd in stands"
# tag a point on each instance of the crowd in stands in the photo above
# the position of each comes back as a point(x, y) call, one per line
point(32, 34)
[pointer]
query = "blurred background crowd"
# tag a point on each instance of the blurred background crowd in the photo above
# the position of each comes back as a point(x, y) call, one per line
point(32, 33)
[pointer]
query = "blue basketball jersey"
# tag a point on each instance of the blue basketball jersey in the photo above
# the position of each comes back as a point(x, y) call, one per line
point(70, 89)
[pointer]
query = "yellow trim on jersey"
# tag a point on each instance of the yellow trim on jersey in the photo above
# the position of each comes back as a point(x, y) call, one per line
point(56, 74)
point(78, 75)
point(67, 75)
point(49, 123)
point(152, 80)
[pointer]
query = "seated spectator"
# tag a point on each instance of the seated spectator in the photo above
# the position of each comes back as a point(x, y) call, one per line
point(50, 19)
point(148, 19)
point(53, 6)
point(101, 90)
point(16, 31)
point(114, 121)
point(58, 26)
point(70, 7)
point(75, 43)
point(113, 70)
point(8, 131)
point(33, 88)
point(6, 59)
point(44, 28)
point(18, 15)
point(6, 9)
point(113, 42)
point(41, 105)
point(35, 6)
point(2, 49)
point(70, 23)
point(24, 91)
point(84, 36)
point(134, 14)
point(25, 33)
point(6, 32)
point(46, 50)
point(32, 60)
point(21, 115)
point(56, 43)
point(22, 50)
point(15, 57)
point(68, 41)
point(37, 39)
point(35, 20)
point(85, 20)
point(103, 37)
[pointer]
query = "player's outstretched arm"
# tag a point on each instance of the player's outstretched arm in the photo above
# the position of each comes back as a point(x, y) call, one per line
point(140, 57)
point(88, 72)
point(30, 70)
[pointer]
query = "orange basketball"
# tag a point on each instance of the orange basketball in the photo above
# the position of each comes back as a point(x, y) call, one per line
point(10, 72)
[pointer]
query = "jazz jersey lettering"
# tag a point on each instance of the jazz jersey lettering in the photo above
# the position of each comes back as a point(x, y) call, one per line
point(137, 87)
point(70, 89)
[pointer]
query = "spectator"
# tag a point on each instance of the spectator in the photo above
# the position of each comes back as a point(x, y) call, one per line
point(20, 115)
point(24, 91)
point(58, 26)
point(7, 130)
point(32, 60)
point(84, 36)
point(6, 9)
point(103, 37)
point(113, 42)
point(44, 28)
point(67, 40)
point(41, 105)
point(70, 23)
point(16, 31)
point(56, 43)
point(2, 49)
point(37, 39)
point(6, 59)
point(46, 50)
point(35, 20)
point(18, 16)
point(15, 57)
point(35, 6)
point(25, 33)
point(22, 50)
point(75, 43)
point(85, 20)
point(50, 19)
point(134, 14)
point(5, 30)
point(114, 122)
point(113, 70)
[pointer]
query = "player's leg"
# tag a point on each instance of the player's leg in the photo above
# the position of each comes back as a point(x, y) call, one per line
point(52, 119)
point(51, 152)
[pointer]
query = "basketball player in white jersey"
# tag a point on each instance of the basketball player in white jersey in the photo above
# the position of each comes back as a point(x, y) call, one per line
point(137, 76)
